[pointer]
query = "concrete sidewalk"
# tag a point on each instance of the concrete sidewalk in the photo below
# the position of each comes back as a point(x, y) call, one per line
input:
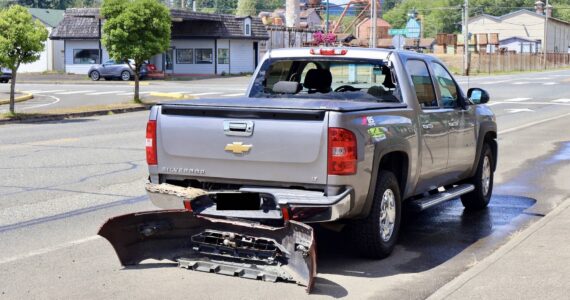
point(535, 264)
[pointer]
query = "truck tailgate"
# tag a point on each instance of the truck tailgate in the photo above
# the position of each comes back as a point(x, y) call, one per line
point(288, 146)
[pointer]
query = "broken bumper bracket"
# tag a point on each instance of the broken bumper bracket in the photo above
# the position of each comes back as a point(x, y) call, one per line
point(228, 247)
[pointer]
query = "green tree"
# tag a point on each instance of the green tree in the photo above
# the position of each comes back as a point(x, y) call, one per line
point(225, 6)
point(269, 5)
point(21, 41)
point(246, 8)
point(135, 29)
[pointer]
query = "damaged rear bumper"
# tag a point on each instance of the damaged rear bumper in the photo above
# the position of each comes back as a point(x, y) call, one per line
point(301, 205)
point(228, 247)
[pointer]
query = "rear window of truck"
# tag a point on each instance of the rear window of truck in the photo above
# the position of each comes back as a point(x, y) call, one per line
point(342, 79)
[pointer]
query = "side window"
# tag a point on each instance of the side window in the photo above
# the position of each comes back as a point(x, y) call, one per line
point(422, 83)
point(448, 88)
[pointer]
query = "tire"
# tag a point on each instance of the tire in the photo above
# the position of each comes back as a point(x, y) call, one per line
point(369, 238)
point(125, 76)
point(483, 182)
point(95, 76)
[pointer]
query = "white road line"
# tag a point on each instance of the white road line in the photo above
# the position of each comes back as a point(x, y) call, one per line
point(562, 100)
point(532, 124)
point(205, 94)
point(75, 92)
point(233, 95)
point(518, 110)
point(50, 91)
point(550, 83)
point(520, 82)
point(495, 82)
point(105, 93)
point(132, 93)
point(49, 249)
point(45, 104)
point(517, 99)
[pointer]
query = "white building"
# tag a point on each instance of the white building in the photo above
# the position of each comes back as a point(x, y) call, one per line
point(201, 44)
point(51, 59)
point(528, 25)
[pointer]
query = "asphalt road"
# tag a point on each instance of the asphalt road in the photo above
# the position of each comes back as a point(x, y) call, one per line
point(49, 96)
point(62, 180)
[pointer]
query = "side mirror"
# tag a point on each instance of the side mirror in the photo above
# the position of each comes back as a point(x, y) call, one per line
point(478, 96)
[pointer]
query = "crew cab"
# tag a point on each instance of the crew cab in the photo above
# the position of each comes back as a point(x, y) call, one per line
point(340, 136)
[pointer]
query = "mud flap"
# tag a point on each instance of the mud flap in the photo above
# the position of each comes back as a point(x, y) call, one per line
point(236, 248)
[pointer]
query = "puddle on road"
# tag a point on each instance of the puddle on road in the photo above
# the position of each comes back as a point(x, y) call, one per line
point(433, 236)
point(562, 154)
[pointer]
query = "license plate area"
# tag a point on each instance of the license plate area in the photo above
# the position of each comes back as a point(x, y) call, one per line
point(238, 201)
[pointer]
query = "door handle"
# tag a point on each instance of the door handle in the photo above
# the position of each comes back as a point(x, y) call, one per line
point(427, 126)
point(238, 128)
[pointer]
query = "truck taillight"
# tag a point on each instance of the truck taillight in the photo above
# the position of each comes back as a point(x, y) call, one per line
point(151, 143)
point(342, 152)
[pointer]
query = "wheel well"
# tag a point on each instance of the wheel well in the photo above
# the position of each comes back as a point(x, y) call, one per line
point(491, 139)
point(397, 163)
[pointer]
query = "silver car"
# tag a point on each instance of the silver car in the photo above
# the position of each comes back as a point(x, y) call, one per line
point(112, 69)
point(5, 75)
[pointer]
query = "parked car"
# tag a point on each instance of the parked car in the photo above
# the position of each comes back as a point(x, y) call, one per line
point(112, 69)
point(5, 75)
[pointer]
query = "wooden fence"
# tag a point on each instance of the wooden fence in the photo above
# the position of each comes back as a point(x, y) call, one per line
point(507, 62)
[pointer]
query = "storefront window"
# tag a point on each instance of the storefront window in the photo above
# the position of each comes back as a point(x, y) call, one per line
point(85, 56)
point(204, 56)
point(223, 56)
point(184, 56)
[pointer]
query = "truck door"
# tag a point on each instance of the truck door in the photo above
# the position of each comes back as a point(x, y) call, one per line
point(462, 135)
point(434, 141)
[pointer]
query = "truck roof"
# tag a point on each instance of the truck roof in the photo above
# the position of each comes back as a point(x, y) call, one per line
point(351, 52)
point(367, 53)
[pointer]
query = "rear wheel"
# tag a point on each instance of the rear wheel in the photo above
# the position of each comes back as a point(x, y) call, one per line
point(483, 182)
point(125, 75)
point(95, 75)
point(376, 235)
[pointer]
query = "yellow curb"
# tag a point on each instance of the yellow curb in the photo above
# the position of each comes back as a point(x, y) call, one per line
point(140, 83)
point(24, 97)
point(172, 95)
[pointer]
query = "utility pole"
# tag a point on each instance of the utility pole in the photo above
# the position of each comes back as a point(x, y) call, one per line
point(545, 46)
point(374, 17)
point(327, 20)
point(466, 38)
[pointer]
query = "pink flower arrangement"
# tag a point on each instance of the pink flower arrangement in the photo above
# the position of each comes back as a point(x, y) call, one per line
point(323, 38)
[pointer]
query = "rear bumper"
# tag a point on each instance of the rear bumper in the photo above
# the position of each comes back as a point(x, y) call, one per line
point(300, 205)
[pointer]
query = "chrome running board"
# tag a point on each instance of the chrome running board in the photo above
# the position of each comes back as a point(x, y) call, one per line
point(429, 201)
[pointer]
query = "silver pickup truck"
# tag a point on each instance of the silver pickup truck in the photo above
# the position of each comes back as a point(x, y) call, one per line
point(340, 136)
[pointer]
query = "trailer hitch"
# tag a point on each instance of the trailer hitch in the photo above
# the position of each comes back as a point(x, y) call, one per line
point(228, 247)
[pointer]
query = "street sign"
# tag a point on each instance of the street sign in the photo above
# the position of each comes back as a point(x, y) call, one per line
point(413, 29)
point(397, 31)
point(398, 42)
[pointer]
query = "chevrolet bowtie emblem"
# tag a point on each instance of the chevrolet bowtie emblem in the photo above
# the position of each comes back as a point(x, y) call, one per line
point(238, 147)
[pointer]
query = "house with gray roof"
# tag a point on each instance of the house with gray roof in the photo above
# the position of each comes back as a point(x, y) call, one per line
point(201, 43)
point(51, 59)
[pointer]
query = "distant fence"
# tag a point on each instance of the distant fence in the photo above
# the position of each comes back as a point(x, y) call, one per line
point(507, 62)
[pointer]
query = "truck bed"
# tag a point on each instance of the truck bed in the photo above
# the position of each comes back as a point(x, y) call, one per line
point(288, 103)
